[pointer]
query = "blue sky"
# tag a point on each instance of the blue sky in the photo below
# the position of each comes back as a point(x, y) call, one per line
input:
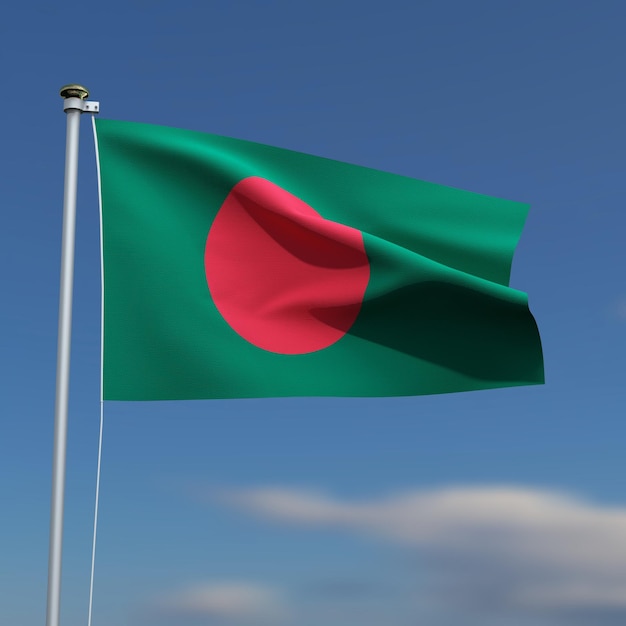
point(495, 507)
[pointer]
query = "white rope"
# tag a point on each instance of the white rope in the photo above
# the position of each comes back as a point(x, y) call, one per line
point(95, 517)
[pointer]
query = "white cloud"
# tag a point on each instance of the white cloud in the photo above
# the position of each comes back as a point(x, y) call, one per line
point(226, 603)
point(506, 547)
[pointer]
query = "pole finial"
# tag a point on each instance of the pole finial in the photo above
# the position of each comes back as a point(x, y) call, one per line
point(74, 91)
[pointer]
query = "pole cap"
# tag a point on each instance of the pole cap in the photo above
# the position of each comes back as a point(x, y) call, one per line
point(74, 91)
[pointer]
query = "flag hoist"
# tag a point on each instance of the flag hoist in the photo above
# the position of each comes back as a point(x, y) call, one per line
point(75, 103)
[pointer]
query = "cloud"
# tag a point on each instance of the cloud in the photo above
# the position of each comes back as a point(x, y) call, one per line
point(486, 549)
point(223, 603)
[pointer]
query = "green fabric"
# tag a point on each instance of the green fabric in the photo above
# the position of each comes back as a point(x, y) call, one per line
point(438, 315)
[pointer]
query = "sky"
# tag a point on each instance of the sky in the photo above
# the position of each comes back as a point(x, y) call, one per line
point(499, 507)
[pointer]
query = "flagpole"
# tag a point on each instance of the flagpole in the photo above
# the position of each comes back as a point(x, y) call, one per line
point(74, 104)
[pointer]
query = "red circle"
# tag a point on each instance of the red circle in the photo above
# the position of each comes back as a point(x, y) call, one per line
point(283, 277)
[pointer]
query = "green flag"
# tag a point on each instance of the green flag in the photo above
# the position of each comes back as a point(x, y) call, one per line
point(237, 270)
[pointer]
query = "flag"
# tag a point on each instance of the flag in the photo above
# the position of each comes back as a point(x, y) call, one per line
point(234, 270)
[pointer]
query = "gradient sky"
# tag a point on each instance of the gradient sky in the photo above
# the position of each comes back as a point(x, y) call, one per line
point(500, 507)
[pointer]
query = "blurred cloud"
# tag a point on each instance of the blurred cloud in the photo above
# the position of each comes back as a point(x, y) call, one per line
point(222, 603)
point(508, 550)
point(621, 308)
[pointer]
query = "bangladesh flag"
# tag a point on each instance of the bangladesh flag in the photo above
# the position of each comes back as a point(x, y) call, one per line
point(239, 270)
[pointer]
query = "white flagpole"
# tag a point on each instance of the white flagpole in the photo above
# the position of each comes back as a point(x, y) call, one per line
point(75, 103)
